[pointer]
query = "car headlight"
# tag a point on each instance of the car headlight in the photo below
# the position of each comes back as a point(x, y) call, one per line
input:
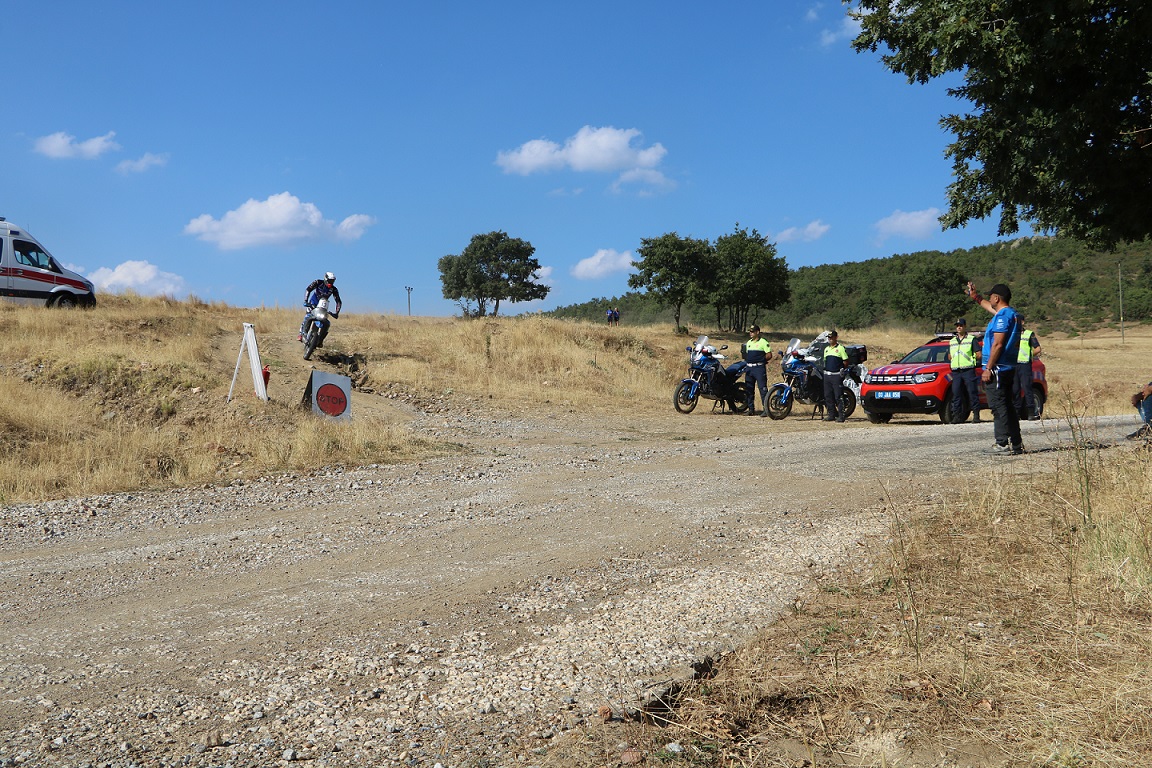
point(923, 378)
point(868, 378)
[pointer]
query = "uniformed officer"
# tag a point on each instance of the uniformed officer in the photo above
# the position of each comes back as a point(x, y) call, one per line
point(962, 354)
point(1025, 396)
point(835, 366)
point(757, 353)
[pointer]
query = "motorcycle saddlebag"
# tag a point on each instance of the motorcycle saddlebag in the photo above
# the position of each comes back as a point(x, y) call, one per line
point(857, 353)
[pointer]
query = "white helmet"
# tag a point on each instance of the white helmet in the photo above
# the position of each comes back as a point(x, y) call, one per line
point(329, 277)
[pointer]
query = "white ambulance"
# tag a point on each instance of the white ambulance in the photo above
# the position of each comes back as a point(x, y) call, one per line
point(30, 275)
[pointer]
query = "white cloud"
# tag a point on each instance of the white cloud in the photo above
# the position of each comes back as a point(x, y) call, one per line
point(148, 160)
point(912, 224)
point(280, 220)
point(648, 179)
point(139, 276)
point(544, 276)
point(604, 262)
point(64, 145)
point(813, 230)
point(848, 29)
point(591, 150)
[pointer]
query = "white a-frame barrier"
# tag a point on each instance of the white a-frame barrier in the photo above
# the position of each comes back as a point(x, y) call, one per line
point(249, 342)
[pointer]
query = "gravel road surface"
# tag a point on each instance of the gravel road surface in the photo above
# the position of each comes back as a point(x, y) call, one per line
point(462, 611)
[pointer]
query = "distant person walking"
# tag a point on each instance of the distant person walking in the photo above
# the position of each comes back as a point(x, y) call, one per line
point(962, 355)
point(1001, 348)
point(615, 316)
point(757, 353)
point(608, 315)
point(1025, 401)
point(835, 365)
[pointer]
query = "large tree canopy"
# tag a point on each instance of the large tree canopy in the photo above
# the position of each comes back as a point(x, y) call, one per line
point(1060, 130)
point(672, 268)
point(493, 268)
point(749, 274)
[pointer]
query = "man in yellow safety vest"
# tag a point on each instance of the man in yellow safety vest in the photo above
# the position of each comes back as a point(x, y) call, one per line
point(962, 355)
point(1025, 396)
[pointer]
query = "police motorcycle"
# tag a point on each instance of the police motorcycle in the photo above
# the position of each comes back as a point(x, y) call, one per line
point(708, 378)
point(317, 322)
point(803, 370)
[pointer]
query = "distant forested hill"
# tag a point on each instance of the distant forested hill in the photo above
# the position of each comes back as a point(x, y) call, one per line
point(1057, 284)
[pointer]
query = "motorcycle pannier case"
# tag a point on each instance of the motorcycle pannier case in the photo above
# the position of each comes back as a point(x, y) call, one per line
point(857, 354)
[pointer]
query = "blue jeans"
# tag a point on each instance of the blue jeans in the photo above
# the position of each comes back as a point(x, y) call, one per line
point(1002, 402)
point(1145, 410)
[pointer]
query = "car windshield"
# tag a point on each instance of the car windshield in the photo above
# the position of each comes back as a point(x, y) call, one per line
point(929, 353)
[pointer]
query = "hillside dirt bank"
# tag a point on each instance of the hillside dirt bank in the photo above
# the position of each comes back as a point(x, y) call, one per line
point(467, 610)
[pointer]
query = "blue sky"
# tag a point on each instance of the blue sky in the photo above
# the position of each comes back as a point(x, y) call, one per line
point(237, 150)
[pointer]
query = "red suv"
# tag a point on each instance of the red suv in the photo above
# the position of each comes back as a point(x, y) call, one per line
point(921, 383)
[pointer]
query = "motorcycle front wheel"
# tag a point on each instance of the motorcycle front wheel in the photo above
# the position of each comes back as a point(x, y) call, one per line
point(311, 339)
point(847, 402)
point(779, 404)
point(683, 399)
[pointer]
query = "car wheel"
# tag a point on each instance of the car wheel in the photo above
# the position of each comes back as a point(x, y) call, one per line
point(878, 418)
point(64, 301)
point(963, 410)
point(1038, 394)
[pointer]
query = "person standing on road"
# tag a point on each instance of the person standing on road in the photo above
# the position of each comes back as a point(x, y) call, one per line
point(757, 353)
point(962, 355)
point(1001, 348)
point(1142, 400)
point(1025, 401)
point(835, 365)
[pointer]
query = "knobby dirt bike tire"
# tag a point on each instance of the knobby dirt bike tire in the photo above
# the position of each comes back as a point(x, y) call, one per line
point(311, 339)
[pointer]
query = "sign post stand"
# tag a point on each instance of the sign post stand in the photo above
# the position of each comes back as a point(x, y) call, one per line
point(249, 343)
point(329, 394)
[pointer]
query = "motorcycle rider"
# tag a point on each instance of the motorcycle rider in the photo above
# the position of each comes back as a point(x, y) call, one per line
point(835, 365)
point(757, 352)
point(321, 288)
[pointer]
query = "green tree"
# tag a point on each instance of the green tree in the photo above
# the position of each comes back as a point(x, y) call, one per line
point(934, 292)
point(1060, 128)
point(672, 268)
point(748, 275)
point(493, 268)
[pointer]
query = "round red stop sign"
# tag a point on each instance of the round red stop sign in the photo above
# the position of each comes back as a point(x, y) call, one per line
point(330, 399)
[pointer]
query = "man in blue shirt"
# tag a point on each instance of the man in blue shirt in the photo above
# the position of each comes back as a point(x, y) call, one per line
point(1001, 348)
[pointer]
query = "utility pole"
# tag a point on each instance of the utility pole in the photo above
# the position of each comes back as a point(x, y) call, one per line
point(409, 289)
point(1120, 282)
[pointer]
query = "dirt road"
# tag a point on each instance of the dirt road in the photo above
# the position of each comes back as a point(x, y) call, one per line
point(464, 611)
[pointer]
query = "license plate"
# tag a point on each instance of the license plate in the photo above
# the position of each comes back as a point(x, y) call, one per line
point(887, 395)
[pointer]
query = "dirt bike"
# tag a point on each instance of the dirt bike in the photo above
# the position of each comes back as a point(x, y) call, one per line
point(316, 326)
point(708, 378)
point(804, 379)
